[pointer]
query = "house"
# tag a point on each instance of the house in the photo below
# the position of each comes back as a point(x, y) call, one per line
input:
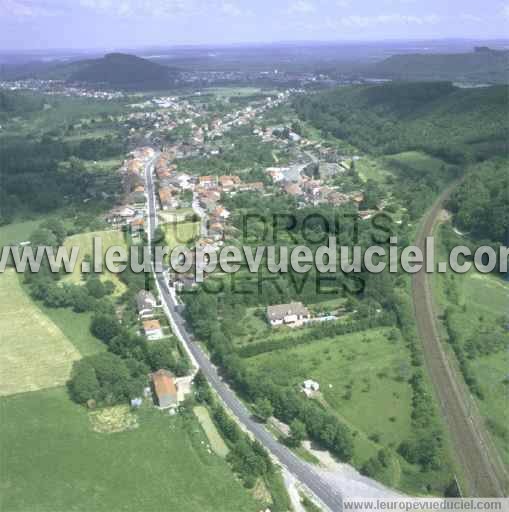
point(220, 213)
point(208, 182)
point(153, 330)
point(146, 302)
point(328, 170)
point(165, 389)
point(293, 189)
point(121, 216)
point(166, 198)
point(310, 387)
point(294, 314)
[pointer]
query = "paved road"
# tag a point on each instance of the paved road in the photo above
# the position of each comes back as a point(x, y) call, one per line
point(304, 472)
point(483, 471)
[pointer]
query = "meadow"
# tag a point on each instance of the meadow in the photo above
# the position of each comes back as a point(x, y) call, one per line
point(85, 242)
point(17, 232)
point(480, 302)
point(181, 233)
point(35, 352)
point(363, 380)
point(54, 459)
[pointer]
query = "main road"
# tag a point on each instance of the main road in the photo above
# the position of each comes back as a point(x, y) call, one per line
point(484, 473)
point(302, 471)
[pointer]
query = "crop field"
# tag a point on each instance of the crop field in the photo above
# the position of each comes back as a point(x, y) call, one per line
point(35, 353)
point(216, 441)
point(85, 242)
point(54, 459)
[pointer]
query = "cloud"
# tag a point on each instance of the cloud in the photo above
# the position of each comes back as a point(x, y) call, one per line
point(26, 9)
point(471, 17)
point(301, 7)
point(147, 8)
point(230, 9)
point(387, 19)
point(505, 11)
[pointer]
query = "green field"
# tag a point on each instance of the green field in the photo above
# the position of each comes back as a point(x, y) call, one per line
point(480, 302)
point(181, 233)
point(17, 231)
point(85, 242)
point(52, 460)
point(35, 353)
point(372, 169)
point(216, 441)
point(367, 364)
point(417, 161)
point(363, 380)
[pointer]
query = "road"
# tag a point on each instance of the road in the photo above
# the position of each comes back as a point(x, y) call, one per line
point(302, 471)
point(483, 471)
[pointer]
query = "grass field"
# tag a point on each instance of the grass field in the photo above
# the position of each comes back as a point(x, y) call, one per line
point(76, 327)
point(53, 461)
point(479, 302)
point(35, 353)
point(17, 231)
point(216, 441)
point(363, 380)
point(181, 233)
point(85, 242)
point(416, 160)
point(372, 169)
point(360, 377)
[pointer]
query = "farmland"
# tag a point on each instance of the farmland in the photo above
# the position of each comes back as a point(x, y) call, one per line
point(163, 464)
point(37, 354)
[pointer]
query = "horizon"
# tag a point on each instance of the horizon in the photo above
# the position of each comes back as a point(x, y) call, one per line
point(49, 25)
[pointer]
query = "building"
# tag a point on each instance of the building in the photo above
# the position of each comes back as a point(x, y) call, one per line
point(294, 314)
point(310, 387)
point(164, 389)
point(146, 302)
point(153, 330)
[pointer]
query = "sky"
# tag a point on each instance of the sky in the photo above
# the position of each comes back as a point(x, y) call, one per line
point(111, 24)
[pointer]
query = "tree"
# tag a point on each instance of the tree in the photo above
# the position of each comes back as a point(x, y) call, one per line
point(104, 327)
point(83, 384)
point(263, 408)
point(297, 433)
point(161, 356)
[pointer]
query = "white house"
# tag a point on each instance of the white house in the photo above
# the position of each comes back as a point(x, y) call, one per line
point(310, 387)
point(153, 330)
point(294, 314)
point(146, 302)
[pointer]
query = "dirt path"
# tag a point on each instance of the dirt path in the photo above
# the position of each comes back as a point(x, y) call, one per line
point(484, 473)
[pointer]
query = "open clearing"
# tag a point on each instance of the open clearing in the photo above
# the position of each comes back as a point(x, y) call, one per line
point(215, 439)
point(17, 231)
point(85, 242)
point(180, 233)
point(35, 353)
point(53, 461)
point(111, 420)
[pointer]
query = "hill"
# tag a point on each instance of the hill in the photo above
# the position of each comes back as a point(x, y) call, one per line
point(455, 124)
point(482, 65)
point(122, 70)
